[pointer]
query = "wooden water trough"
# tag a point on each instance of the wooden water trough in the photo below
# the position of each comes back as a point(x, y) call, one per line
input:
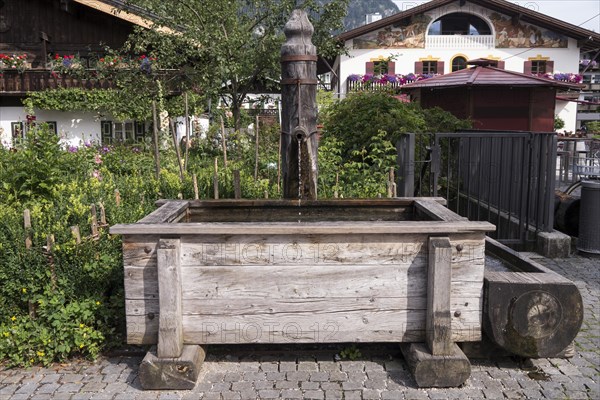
point(403, 270)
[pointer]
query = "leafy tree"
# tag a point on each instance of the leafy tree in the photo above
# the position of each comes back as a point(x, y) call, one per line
point(362, 116)
point(229, 48)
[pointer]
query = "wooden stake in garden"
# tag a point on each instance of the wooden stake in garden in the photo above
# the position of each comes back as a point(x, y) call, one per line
point(196, 193)
point(177, 151)
point(117, 197)
point(223, 142)
point(237, 185)
point(76, 234)
point(27, 226)
point(94, 224)
point(155, 134)
point(187, 131)
point(216, 179)
point(50, 257)
point(256, 149)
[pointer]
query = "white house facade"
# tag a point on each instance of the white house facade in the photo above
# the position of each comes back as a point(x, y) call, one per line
point(438, 37)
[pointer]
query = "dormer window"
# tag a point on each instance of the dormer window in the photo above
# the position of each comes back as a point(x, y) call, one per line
point(459, 24)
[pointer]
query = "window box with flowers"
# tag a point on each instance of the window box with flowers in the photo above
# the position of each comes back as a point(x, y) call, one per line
point(13, 62)
point(385, 82)
point(67, 64)
point(563, 77)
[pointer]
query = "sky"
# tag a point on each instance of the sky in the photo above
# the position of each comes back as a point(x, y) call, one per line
point(575, 12)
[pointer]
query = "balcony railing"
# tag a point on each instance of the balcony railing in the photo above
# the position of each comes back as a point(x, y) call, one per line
point(14, 83)
point(459, 41)
point(359, 86)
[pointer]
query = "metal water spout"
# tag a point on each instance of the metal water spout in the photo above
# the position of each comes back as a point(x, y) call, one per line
point(299, 109)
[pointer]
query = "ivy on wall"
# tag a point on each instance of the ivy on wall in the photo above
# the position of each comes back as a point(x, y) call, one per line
point(119, 104)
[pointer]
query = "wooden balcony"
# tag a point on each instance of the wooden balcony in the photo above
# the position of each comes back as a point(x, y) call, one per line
point(459, 42)
point(13, 83)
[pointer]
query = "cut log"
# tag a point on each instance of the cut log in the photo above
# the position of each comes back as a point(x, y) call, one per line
point(179, 373)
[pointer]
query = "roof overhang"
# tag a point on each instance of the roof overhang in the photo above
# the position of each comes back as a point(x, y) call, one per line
point(116, 9)
point(587, 40)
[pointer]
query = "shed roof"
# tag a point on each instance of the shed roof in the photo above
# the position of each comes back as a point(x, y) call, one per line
point(488, 76)
point(588, 40)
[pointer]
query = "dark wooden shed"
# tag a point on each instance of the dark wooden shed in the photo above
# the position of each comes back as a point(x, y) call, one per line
point(493, 98)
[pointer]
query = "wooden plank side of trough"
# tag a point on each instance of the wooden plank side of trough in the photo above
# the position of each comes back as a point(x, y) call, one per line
point(275, 203)
point(290, 228)
point(168, 212)
point(436, 211)
point(531, 311)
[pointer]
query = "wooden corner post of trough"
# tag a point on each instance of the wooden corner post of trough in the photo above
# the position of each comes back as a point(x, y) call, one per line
point(299, 109)
point(438, 362)
point(173, 365)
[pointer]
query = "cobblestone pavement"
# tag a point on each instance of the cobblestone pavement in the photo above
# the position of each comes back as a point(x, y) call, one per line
point(265, 372)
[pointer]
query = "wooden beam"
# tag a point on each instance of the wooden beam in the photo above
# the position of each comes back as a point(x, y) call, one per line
point(170, 331)
point(438, 329)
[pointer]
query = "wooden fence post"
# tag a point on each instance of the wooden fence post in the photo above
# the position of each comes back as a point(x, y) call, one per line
point(117, 197)
point(94, 224)
point(406, 165)
point(103, 222)
point(49, 248)
point(237, 184)
point(223, 142)
point(195, 181)
point(27, 226)
point(216, 179)
point(155, 137)
point(76, 234)
point(256, 149)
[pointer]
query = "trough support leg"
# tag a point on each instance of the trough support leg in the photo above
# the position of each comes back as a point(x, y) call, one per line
point(179, 373)
point(439, 362)
point(171, 364)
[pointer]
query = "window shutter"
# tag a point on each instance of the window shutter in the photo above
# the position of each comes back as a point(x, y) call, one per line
point(549, 67)
point(440, 67)
point(139, 131)
point(370, 66)
point(106, 131)
point(391, 68)
point(527, 67)
point(500, 65)
point(418, 67)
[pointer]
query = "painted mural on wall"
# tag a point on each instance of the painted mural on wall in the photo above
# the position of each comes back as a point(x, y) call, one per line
point(519, 34)
point(406, 35)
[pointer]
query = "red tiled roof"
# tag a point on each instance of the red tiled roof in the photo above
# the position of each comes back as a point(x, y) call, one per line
point(488, 76)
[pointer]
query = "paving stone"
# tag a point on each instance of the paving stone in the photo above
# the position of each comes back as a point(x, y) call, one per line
point(415, 394)
point(248, 394)
point(319, 376)
point(354, 395)
point(275, 376)
point(238, 386)
point(334, 394)
point(314, 394)
point(338, 376)
point(264, 385)
point(268, 394)
point(292, 394)
point(231, 396)
point(375, 384)
point(352, 385)
point(392, 395)
point(331, 386)
point(297, 376)
point(369, 394)
point(310, 385)
point(286, 385)
point(286, 366)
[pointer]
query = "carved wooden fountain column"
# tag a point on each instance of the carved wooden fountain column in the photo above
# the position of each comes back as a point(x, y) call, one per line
point(299, 109)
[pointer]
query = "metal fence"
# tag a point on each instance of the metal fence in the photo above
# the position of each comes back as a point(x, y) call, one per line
point(506, 178)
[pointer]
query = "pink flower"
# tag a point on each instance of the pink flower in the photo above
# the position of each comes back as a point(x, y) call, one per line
point(98, 159)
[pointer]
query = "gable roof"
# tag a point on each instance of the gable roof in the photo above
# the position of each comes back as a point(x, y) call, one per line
point(488, 76)
point(588, 40)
